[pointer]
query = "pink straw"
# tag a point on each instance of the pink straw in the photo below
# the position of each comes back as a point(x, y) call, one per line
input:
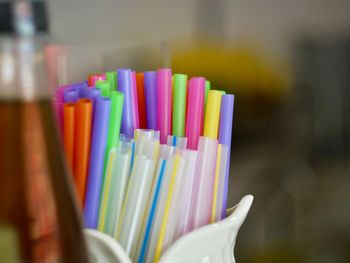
point(194, 120)
point(164, 80)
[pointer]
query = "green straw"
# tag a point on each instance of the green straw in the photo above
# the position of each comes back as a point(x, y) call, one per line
point(179, 104)
point(104, 86)
point(111, 77)
point(207, 88)
point(117, 100)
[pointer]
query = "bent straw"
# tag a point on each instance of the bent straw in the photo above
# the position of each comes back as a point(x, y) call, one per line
point(83, 121)
point(97, 155)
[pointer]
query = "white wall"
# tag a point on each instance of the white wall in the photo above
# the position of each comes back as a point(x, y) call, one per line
point(270, 21)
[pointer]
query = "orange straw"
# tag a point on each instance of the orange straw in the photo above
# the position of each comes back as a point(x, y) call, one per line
point(68, 132)
point(82, 145)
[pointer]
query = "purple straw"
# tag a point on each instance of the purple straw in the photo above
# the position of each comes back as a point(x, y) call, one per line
point(125, 86)
point(80, 87)
point(150, 86)
point(71, 94)
point(225, 136)
point(97, 155)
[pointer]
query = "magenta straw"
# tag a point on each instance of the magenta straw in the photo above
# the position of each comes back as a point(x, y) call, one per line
point(150, 86)
point(59, 92)
point(225, 135)
point(164, 81)
point(135, 104)
point(125, 86)
point(194, 120)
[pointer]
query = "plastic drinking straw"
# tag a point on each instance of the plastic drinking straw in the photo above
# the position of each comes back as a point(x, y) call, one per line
point(97, 155)
point(113, 189)
point(207, 88)
point(136, 198)
point(93, 78)
point(179, 104)
point(164, 91)
point(220, 170)
point(106, 188)
point(114, 192)
point(171, 210)
point(150, 91)
point(212, 114)
point(179, 142)
point(135, 103)
point(225, 135)
point(156, 224)
point(91, 93)
point(141, 100)
point(59, 92)
point(202, 194)
point(117, 100)
point(147, 147)
point(111, 77)
point(104, 86)
point(70, 95)
point(125, 86)
point(145, 237)
point(195, 112)
point(166, 151)
point(69, 109)
point(83, 121)
point(183, 224)
point(80, 87)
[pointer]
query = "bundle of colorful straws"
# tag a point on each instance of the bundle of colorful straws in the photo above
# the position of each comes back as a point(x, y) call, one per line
point(149, 153)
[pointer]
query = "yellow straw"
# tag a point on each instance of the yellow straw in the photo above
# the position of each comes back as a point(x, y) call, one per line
point(212, 114)
point(216, 183)
point(167, 209)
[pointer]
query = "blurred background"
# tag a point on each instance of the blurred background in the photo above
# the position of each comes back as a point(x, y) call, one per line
point(287, 62)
